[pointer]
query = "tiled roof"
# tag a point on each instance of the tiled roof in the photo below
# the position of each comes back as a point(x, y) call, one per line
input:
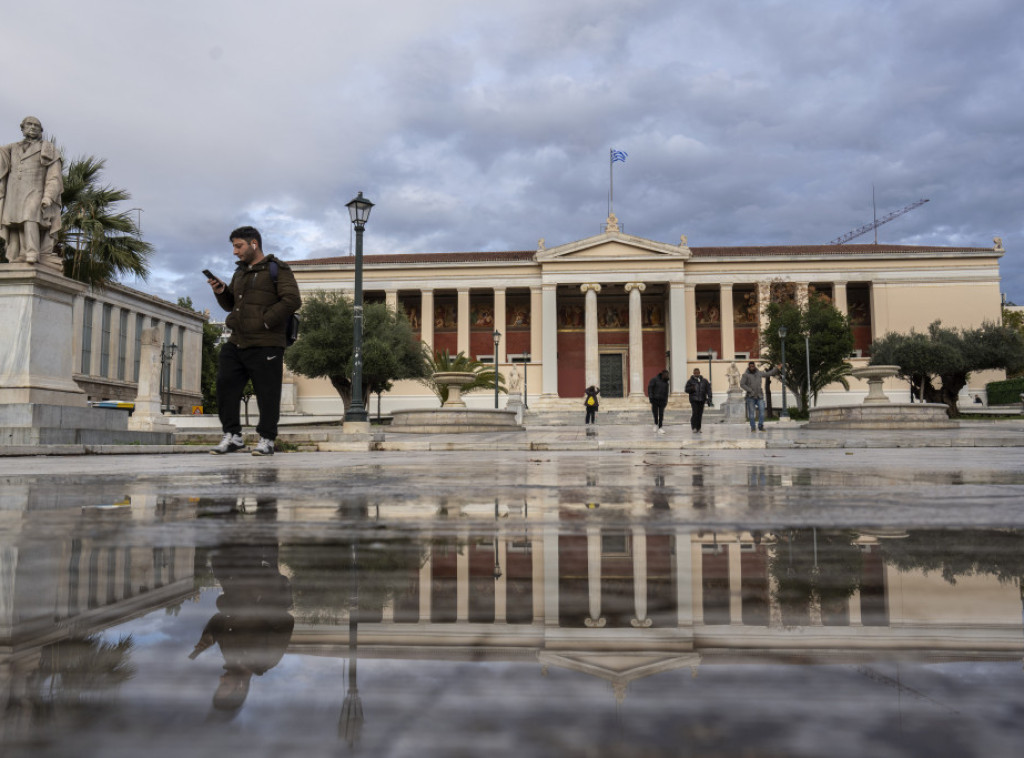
point(411, 258)
point(757, 251)
point(750, 251)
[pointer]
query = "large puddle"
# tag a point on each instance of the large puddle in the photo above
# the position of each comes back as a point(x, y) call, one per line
point(567, 610)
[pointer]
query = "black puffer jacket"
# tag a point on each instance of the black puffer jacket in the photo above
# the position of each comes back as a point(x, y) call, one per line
point(657, 389)
point(259, 308)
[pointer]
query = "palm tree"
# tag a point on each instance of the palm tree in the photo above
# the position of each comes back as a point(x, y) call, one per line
point(97, 243)
point(443, 362)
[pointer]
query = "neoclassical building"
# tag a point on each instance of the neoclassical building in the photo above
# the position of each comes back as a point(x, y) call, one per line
point(614, 309)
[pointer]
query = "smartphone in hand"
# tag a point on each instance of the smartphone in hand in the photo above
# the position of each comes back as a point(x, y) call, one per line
point(209, 274)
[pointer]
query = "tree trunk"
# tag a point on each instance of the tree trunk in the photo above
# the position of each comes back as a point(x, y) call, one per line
point(343, 386)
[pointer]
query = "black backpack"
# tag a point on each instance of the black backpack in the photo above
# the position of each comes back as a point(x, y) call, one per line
point(292, 332)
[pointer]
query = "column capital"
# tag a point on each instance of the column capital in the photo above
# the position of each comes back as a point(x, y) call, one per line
point(590, 286)
point(630, 286)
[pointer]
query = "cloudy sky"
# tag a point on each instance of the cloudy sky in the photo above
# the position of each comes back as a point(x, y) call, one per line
point(478, 125)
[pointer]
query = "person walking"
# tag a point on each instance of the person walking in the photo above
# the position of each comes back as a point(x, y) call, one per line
point(657, 393)
point(699, 390)
point(261, 298)
point(591, 404)
point(752, 384)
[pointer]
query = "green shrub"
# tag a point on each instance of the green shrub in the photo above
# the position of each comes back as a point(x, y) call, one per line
point(1006, 392)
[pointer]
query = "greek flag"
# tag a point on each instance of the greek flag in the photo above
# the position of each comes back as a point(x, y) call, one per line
point(619, 156)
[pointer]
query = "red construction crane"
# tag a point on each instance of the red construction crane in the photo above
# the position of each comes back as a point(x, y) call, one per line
point(876, 223)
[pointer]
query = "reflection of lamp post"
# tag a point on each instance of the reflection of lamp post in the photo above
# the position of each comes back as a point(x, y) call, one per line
point(782, 337)
point(497, 565)
point(497, 338)
point(526, 392)
point(350, 726)
point(166, 356)
point(359, 210)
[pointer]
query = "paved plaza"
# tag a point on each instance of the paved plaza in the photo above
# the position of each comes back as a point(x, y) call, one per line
point(787, 593)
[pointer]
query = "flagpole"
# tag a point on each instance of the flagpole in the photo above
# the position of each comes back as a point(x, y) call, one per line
point(611, 182)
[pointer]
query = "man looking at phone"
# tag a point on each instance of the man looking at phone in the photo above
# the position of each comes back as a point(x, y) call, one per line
point(259, 311)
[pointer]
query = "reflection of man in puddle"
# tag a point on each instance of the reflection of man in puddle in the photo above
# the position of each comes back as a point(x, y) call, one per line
point(252, 626)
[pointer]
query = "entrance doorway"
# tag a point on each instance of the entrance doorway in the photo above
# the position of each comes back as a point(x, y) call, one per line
point(611, 375)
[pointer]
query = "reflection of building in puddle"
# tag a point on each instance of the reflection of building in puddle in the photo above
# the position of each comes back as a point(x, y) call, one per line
point(625, 599)
point(64, 581)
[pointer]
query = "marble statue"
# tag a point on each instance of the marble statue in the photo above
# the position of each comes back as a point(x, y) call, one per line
point(31, 184)
point(734, 376)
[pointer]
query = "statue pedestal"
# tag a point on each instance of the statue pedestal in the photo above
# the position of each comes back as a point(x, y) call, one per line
point(37, 337)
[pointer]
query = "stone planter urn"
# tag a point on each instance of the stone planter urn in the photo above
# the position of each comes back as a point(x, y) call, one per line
point(875, 375)
point(454, 381)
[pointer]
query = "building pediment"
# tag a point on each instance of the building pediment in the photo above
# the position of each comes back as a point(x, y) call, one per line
point(613, 245)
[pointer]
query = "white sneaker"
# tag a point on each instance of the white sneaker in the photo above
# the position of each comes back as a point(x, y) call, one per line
point(660, 430)
point(229, 444)
point(264, 447)
point(656, 428)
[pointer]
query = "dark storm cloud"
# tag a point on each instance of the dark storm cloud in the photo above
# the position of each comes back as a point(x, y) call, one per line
point(485, 126)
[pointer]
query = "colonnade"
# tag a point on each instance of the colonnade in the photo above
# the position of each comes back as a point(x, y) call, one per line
point(680, 323)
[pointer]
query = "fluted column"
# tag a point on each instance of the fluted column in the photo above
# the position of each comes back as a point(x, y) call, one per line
point(462, 578)
point(678, 333)
point(640, 577)
point(728, 327)
point(426, 587)
point(462, 345)
point(427, 317)
point(591, 364)
point(683, 558)
point(735, 584)
point(636, 340)
point(839, 297)
point(499, 323)
point(550, 579)
point(595, 619)
point(501, 583)
point(549, 324)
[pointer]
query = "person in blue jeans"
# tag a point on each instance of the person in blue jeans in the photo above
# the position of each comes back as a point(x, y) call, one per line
point(752, 384)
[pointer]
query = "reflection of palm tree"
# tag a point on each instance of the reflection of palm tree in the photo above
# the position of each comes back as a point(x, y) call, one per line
point(77, 666)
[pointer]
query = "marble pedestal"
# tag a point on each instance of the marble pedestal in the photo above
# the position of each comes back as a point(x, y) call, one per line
point(37, 337)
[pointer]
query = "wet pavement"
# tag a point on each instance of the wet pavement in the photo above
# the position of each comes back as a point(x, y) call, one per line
point(771, 601)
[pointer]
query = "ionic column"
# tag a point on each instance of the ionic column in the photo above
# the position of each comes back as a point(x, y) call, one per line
point(499, 323)
point(549, 325)
point(855, 615)
point(839, 297)
point(427, 317)
point(595, 619)
point(697, 572)
point(536, 320)
point(537, 577)
point(735, 585)
point(678, 322)
point(391, 299)
point(640, 578)
point(636, 340)
point(462, 344)
point(802, 294)
point(426, 587)
point(764, 298)
point(462, 580)
point(501, 584)
point(592, 366)
point(728, 327)
point(549, 582)
point(683, 560)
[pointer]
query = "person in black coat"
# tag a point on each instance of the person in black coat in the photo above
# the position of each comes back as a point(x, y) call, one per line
point(657, 393)
point(699, 390)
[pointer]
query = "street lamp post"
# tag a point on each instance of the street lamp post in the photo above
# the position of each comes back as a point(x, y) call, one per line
point(359, 210)
point(166, 357)
point(497, 338)
point(807, 353)
point(782, 379)
point(526, 373)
